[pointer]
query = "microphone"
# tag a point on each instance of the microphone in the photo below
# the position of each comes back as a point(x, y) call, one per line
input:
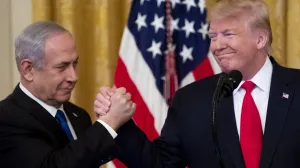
point(231, 81)
point(225, 86)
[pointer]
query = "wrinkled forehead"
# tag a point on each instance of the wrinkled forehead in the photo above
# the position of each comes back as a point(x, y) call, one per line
point(60, 47)
point(60, 42)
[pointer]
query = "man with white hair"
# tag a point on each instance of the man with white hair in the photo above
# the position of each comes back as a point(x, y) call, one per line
point(39, 127)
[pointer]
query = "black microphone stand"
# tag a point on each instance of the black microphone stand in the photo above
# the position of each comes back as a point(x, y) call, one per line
point(215, 102)
point(226, 84)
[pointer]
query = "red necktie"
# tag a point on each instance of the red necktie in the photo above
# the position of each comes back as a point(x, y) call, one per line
point(251, 130)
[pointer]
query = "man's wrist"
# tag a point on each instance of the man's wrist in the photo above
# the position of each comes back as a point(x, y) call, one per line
point(111, 124)
point(110, 129)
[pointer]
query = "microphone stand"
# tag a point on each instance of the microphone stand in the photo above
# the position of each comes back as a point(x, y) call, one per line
point(216, 100)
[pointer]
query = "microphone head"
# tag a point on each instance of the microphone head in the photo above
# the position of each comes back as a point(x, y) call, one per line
point(230, 82)
point(235, 77)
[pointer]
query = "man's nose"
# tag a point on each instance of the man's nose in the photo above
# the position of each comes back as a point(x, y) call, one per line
point(220, 43)
point(72, 74)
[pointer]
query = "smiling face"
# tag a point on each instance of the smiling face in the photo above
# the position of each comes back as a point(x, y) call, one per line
point(55, 82)
point(233, 44)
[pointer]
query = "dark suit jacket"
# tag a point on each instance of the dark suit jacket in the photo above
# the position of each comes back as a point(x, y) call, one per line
point(31, 138)
point(186, 138)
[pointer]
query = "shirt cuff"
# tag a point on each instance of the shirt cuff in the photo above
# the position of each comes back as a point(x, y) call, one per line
point(111, 131)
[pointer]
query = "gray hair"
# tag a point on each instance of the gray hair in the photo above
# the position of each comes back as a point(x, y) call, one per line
point(30, 44)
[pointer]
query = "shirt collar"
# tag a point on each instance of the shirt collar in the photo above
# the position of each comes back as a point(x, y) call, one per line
point(262, 78)
point(52, 110)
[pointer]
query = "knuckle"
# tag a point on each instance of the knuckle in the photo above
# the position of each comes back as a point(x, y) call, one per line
point(124, 89)
point(128, 95)
point(102, 89)
point(118, 96)
point(97, 110)
point(128, 106)
point(133, 106)
point(123, 100)
point(99, 96)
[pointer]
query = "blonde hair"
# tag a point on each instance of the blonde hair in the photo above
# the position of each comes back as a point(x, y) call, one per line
point(256, 9)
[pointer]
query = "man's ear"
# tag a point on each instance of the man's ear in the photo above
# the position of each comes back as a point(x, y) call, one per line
point(26, 69)
point(262, 39)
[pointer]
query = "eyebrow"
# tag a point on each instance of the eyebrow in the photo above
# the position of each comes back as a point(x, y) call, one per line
point(227, 30)
point(66, 63)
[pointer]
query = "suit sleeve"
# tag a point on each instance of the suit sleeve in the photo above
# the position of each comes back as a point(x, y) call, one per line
point(164, 152)
point(22, 146)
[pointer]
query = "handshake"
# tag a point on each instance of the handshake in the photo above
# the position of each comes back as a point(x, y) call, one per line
point(114, 106)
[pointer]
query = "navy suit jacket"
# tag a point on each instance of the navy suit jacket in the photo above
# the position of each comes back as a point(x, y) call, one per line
point(31, 138)
point(186, 137)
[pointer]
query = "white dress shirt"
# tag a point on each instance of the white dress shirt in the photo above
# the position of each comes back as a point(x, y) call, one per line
point(260, 94)
point(52, 110)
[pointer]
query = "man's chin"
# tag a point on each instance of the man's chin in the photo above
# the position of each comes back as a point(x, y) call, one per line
point(64, 98)
point(227, 66)
point(225, 69)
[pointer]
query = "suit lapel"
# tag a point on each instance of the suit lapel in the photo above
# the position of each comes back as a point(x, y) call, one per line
point(281, 93)
point(75, 120)
point(228, 131)
point(40, 114)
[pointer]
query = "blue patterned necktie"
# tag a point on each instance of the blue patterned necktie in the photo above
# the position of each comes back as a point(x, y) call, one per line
point(60, 116)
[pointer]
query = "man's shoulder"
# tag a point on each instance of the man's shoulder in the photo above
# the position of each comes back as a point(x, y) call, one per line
point(286, 74)
point(202, 87)
point(7, 103)
point(12, 114)
point(288, 69)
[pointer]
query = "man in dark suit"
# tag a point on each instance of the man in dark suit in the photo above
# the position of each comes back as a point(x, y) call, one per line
point(256, 126)
point(39, 127)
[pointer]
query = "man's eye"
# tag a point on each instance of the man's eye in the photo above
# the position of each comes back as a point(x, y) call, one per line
point(61, 67)
point(228, 34)
point(212, 37)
